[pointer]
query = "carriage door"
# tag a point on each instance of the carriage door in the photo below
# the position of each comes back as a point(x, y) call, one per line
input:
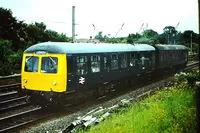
point(95, 69)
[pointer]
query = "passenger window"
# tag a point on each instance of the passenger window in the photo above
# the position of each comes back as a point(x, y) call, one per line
point(123, 60)
point(149, 58)
point(81, 65)
point(164, 57)
point(95, 63)
point(142, 58)
point(169, 56)
point(138, 56)
point(186, 56)
point(153, 58)
point(114, 62)
point(49, 64)
point(105, 62)
point(181, 55)
point(132, 59)
point(175, 55)
point(69, 64)
point(31, 64)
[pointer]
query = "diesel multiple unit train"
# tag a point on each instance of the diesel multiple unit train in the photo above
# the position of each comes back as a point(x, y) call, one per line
point(51, 71)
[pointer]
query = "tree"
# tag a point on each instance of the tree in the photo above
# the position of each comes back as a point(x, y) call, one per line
point(51, 35)
point(170, 34)
point(99, 36)
point(36, 32)
point(8, 28)
point(151, 34)
point(5, 53)
point(162, 38)
point(189, 36)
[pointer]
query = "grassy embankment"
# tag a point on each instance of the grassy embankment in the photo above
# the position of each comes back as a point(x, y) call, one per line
point(172, 110)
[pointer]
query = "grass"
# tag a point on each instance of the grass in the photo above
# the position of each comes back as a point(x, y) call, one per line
point(168, 111)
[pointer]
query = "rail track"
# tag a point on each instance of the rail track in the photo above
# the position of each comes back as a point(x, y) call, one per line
point(11, 122)
point(15, 121)
point(192, 65)
point(14, 103)
point(9, 97)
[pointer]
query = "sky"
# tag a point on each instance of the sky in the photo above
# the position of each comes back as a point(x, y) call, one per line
point(108, 16)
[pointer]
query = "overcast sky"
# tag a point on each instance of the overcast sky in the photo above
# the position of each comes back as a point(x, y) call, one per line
point(107, 15)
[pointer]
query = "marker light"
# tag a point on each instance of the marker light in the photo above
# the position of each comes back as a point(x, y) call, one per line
point(25, 81)
point(54, 82)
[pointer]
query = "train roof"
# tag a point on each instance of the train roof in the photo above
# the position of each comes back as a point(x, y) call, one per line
point(71, 48)
point(170, 47)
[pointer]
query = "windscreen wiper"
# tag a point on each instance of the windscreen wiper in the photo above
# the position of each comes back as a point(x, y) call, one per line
point(52, 60)
point(29, 58)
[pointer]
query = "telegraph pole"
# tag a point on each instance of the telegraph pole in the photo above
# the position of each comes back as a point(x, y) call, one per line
point(73, 23)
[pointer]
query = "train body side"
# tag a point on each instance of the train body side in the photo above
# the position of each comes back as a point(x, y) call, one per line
point(114, 61)
point(108, 69)
point(81, 66)
point(171, 56)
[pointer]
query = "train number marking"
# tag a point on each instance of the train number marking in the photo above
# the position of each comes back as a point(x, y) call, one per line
point(82, 80)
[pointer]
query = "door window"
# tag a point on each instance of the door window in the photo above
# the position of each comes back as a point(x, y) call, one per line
point(95, 63)
point(81, 65)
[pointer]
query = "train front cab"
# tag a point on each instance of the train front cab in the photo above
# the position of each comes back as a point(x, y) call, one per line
point(43, 74)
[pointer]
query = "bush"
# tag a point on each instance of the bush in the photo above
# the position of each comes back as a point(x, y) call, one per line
point(190, 77)
point(16, 60)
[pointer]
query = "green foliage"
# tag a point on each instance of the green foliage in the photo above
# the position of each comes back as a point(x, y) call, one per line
point(16, 60)
point(100, 36)
point(130, 38)
point(149, 33)
point(22, 34)
point(171, 110)
point(5, 54)
point(190, 77)
point(170, 33)
point(145, 40)
point(162, 39)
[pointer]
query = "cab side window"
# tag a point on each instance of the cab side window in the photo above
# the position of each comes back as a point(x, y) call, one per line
point(114, 61)
point(95, 63)
point(81, 65)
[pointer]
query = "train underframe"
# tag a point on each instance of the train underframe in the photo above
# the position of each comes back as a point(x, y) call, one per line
point(98, 91)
